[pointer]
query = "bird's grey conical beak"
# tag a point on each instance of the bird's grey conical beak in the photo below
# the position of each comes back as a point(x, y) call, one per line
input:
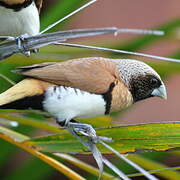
point(160, 92)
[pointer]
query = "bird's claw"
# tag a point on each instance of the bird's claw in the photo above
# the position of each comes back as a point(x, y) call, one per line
point(20, 40)
point(90, 143)
point(87, 131)
point(96, 139)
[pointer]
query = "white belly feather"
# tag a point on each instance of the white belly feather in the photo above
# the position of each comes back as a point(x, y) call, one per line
point(25, 21)
point(66, 103)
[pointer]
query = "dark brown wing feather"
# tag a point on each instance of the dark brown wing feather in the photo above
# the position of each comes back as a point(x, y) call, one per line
point(89, 74)
point(39, 4)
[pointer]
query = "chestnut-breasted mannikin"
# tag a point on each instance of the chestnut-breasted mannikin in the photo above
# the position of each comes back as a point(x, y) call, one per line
point(19, 17)
point(83, 88)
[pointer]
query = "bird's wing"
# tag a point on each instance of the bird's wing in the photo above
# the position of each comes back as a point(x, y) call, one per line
point(39, 4)
point(94, 75)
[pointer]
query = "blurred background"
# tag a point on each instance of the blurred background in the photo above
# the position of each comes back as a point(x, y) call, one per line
point(154, 14)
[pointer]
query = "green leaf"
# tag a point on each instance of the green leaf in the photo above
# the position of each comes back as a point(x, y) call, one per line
point(31, 118)
point(31, 122)
point(12, 134)
point(147, 137)
point(152, 165)
point(98, 122)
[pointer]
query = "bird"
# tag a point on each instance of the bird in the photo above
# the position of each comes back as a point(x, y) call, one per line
point(83, 88)
point(19, 17)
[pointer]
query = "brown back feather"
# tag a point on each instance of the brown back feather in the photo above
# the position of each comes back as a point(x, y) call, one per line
point(89, 74)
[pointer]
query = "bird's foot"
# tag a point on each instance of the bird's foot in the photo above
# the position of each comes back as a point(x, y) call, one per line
point(80, 129)
point(20, 40)
point(88, 131)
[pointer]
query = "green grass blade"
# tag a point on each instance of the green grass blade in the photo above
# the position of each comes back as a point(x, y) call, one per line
point(157, 137)
point(150, 164)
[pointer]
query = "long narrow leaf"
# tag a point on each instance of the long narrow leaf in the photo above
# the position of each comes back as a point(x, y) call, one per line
point(86, 167)
point(17, 138)
point(157, 137)
point(155, 171)
point(151, 165)
point(31, 122)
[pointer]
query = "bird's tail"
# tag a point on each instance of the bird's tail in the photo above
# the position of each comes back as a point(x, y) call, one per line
point(28, 93)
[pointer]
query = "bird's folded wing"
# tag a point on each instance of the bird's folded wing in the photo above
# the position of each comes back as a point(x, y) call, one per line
point(94, 75)
point(39, 4)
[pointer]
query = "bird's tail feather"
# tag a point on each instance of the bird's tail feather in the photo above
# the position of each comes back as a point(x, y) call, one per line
point(28, 93)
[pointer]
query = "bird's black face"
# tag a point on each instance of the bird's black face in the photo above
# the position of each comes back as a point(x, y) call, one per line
point(142, 87)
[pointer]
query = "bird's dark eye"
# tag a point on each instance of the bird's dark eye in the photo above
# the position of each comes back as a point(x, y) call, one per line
point(154, 81)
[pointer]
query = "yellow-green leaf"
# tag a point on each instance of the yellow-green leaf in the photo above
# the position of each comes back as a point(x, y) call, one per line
point(157, 137)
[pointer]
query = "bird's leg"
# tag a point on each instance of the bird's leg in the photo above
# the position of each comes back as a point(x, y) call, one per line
point(86, 130)
point(75, 129)
point(90, 144)
point(83, 129)
point(20, 39)
point(79, 128)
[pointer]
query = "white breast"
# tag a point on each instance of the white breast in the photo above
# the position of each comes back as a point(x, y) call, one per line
point(66, 103)
point(25, 21)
